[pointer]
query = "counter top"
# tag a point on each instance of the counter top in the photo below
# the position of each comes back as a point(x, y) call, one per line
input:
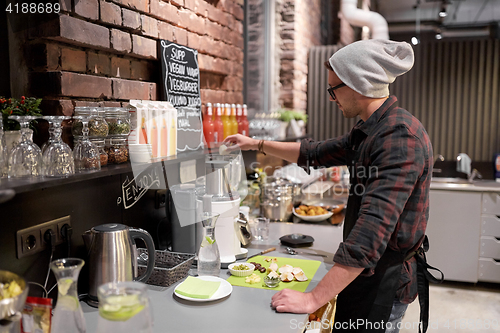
point(464, 185)
point(248, 309)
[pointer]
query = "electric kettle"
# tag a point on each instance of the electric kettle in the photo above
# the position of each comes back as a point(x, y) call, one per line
point(112, 256)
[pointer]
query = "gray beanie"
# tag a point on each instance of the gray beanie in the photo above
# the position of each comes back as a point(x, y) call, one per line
point(368, 66)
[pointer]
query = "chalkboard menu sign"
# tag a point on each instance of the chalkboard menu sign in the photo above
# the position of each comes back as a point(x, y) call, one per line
point(181, 87)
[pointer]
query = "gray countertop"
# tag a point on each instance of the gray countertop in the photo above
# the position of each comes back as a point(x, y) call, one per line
point(246, 309)
point(463, 185)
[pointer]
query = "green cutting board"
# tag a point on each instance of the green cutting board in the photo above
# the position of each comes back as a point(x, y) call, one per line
point(308, 266)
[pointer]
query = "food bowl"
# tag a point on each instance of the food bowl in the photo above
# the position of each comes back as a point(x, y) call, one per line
point(270, 282)
point(10, 306)
point(240, 272)
point(313, 218)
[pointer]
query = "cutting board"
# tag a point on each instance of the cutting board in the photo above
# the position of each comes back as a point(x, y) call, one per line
point(308, 266)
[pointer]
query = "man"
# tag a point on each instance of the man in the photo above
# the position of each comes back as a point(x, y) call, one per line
point(389, 156)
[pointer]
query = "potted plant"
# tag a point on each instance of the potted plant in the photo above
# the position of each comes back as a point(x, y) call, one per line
point(19, 107)
point(295, 120)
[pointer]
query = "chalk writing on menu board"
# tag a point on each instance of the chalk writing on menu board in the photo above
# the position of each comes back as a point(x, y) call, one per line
point(181, 87)
point(133, 190)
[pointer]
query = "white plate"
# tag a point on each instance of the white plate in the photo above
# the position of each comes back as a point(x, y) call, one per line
point(315, 218)
point(224, 290)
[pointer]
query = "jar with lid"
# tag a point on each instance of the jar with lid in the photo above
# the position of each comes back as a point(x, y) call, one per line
point(98, 127)
point(118, 120)
point(117, 150)
point(99, 143)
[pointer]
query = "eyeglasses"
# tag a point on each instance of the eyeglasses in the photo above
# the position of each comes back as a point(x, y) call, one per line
point(331, 89)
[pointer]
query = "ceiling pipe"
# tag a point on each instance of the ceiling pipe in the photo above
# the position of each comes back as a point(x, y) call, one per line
point(359, 18)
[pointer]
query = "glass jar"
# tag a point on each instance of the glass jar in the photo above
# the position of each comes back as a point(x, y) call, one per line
point(99, 143)
point(117, 150)
point(98, 127)
point(118, 120)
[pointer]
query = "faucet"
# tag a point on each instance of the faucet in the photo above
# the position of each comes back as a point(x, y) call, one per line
point(440, 158)
point(464, 165)
point(473, 175)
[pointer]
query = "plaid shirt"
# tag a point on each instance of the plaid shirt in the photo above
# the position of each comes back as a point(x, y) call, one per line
point(391, 168)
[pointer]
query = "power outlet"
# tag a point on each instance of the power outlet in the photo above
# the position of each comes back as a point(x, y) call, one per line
point(160, 198)
point(31, 240)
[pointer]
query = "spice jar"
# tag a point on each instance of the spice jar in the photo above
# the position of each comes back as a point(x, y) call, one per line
point(117, 150)
point(98, 127)
point(99, 143)
point(118, 120)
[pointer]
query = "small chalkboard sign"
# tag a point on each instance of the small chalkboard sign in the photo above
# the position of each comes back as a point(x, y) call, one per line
point(181, 87)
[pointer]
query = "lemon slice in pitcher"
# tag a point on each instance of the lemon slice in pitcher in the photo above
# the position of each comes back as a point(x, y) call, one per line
point(121, 307)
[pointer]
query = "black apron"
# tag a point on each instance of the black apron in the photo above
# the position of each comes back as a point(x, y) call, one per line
point(366, 303)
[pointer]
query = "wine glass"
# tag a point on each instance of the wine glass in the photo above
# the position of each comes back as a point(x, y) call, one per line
point(57, 157)
point(25, 159)
point(85, 153)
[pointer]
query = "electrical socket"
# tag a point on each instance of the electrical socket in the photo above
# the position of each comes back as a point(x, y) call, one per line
point(31, 240)
point(160, 198)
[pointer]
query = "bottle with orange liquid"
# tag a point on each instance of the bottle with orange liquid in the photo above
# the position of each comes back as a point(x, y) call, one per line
point(218, 126)
point(234, 121)
point(226, 121)
point(244, 122)
point(239, 118)
point(208, 125)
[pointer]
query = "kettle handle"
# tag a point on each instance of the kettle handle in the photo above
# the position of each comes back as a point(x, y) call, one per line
point(146, 237)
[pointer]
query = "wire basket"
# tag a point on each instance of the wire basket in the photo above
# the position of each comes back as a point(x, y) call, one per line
point(170, 267)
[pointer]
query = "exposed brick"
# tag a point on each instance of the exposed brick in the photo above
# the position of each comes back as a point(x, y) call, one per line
point(131, 19)
point(166, 31)
point(205, 62)
point(81, 85)
point(215, 14)
point(153, 92)
point(43, 56)
point(98, 63)
point(76, 31)
point(73, 60)
point(140, 5)
point(65, 5)
point(238, 12)
point(86, 103)
point(128, 89)
point(111, 13)
point(120, 67)
point(213, 29)
point(191, 21)
point(139, 70)
point(121, 41)
point(144, 46)
point(197, 6)
point(213, 96)
point(163, 11)
point(226, 35)
point(232, 83)
point(56, 107)
point(88, 9)
point(111, 104)
point(178, 3)
point(180, 36)
point(194, 41)
point(149, 26)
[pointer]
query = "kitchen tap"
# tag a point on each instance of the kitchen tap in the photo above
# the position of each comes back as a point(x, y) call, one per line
point(440, 158)
point(473, 175)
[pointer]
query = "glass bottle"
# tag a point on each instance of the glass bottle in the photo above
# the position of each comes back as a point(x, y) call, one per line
point(234, 121)
point(218, 125)
point(208, 125)
point(208, 254)
point(68, 314)
point(226, 121)
point(124, 307)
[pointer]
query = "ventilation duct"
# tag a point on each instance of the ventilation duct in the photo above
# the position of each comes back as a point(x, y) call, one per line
point(359, 18)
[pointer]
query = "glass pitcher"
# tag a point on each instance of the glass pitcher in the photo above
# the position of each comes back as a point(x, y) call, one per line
point(124, 307)
point(208, 255)
point(68, 314)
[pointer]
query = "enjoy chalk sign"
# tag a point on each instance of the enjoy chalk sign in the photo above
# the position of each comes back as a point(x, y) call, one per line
point(181, 87)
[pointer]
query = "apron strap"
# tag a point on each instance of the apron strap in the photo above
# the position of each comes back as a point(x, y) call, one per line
point(423, 278)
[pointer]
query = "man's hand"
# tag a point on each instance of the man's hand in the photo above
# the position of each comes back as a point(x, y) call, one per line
point(293, 301)
point(238, 141)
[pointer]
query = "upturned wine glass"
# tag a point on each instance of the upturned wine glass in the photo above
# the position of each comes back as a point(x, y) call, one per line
point(25, 159)
point(57, 157)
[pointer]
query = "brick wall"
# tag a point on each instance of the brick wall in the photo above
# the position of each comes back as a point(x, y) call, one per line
point(298, 33)
point(98, 52)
